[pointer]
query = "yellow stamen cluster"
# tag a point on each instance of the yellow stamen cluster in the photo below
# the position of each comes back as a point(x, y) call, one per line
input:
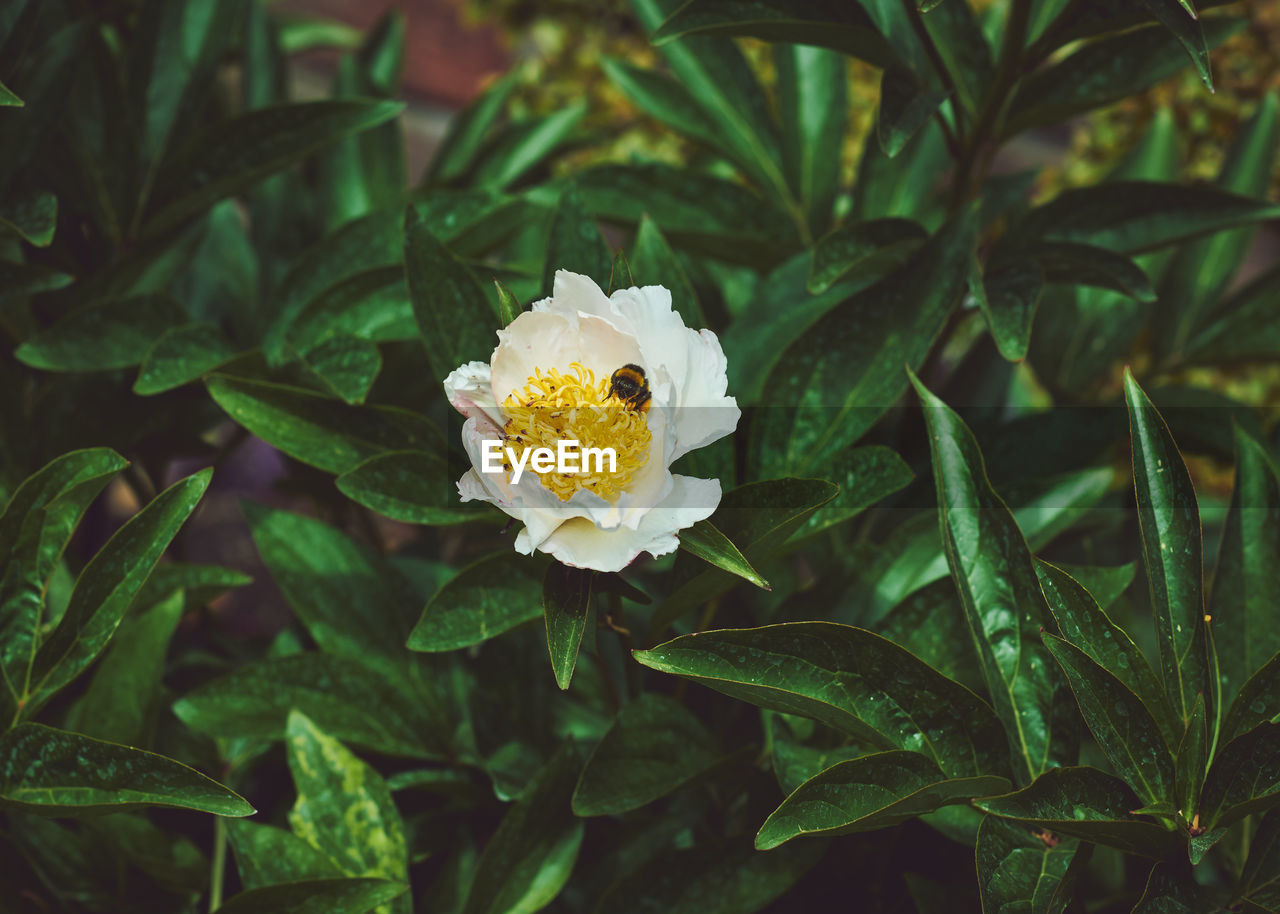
point(553, 407)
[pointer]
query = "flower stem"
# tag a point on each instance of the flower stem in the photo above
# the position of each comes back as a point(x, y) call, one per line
point(219, 863)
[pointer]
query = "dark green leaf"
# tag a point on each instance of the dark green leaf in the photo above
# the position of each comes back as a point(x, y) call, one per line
point(1241, 329)
point(575, 243)
point(1170, 520)
point(864, 794)
point(1260, 881)
point(654, 263)
point(468, 129)
point(1244, 778)
point(705, 541)
point(53, 772)
point(181, 355)
point(905, 107)
point(319, 430)
point(963, 49)
point(1086, 265)
point(566, 599)
point(250, 146)
point(454, 316)
point(523, 145)
point(812, 107)
point(991, 565)
point(1084, 624)
point(485, 599)
point(107, 586)
point(843, 27)
point(509, 307)
point(266, 855)
point(1022, 871)
point(32, 217)
point(1172, 889)
point(654, 747)
point(1008, 297)
point(317, 896)
point(8, 99)
point(931, 624)
point(1186, 28)
point(847, 678)
point(1085, 803)
point(1257, 702)
point(1192, 758)
point(199, 583)
point(530, 857)
point(865, 475)
point(115, 333)
point(348, 700)
point(347, 365)
point(343, 806)
point(373, 305)
point(858, 249)
point(411, 486)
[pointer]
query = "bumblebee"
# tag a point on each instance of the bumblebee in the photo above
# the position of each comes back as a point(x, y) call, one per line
point(629, 385)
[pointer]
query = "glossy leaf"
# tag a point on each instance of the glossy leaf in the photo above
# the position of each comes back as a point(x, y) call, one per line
point(1260, 880)
point(523, 145)
point(654, 747)
point(963, 50)
point(317, 896)
point(992, 567)
point(115, 333)
point(454, 316)
point(566, 601)
point(530, 857)
point(1084, 803)
point(107, 586)
point(266, 855)
point(252, 145)
point(318, 430)
point(858, 249)
point(1086, 265)
point(509, 307)
point(468, 129)
point(8, 99)
point(1186, 29)
point(347, 366)
point(32, 217)
point(705, 541)
point(1024, 871)
point(343, 806)
point(1170, 520)
point(575, 243)
point(348, 700)
point(867, 793)
point(1246, 586)
point(905, 106)
point(1257, 702)
point(485, 599)
point(931, 624)
point(654, 262)
point(812, 109)
point(53, 772)
point(1244, 778)
point(416, 487)
point(1192, 758)
point(1084, 624)
point(849, 679)
point(1172, 889)
point(1008, 297)
point(181, 355)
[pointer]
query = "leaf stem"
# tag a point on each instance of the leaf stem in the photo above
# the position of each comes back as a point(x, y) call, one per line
point(219, 863)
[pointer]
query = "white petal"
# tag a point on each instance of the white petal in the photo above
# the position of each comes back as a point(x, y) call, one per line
point(545, 339)
point(470, 392)
point(581, 544)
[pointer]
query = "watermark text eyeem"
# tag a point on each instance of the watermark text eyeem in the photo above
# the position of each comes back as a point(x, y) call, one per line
point(567, 457)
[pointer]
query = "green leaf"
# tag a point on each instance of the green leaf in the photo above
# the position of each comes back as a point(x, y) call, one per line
point(8, 99)
point(468, 130)
point(348, 700)
point(1192, 758)
point(347, 366)
point(1187, 30)
point(843, 27)
point(858, 249)
point(1257, 702)
point(248, 147)
point(1170, 520)
point(114, 333)
point(705, 541)
point(931, 624)
point(126, 683)
point(1172, 889)
point(1085, 803)
point(318, 430)
point(575, 243)
point(759, 517)
point(373, 305)
point(654, 747)
point(454, 316)
point(865, 476)
point(53, 772)
point(33, 216)
point(529, 858)
point(509, 307)
point(415, 487)
point(864, 794)
point(1243, 779)
point(484, 599)
point(316, 896)
point(812, 109)
point(200, 584)
point(351, 599)
point(1022, 871)
point(566, 600)
point(181, 355)
point(905, 107)
point(1105, 71)
point(1202, 271)
point(720, 877)
point(1246, 587)
point(344, 808)
point(523, 145)
point(1084, 624)
point(1135, 216)
point(37, 523)
point(964, 52)
point(992, 567)
point(1240, 329)
point(1008, 297)
point(1260, 880)
point(653, 262)
point(107, 586)
point(905, 185)
point(837, 380)
point(849, 679)
point(266, 855)
point(1086, 265)
point(1125, 729)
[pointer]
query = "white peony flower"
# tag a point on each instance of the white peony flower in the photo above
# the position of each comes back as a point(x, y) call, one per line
point(550, 378)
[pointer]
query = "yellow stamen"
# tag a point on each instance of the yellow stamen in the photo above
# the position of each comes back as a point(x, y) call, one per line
point(575, 407)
